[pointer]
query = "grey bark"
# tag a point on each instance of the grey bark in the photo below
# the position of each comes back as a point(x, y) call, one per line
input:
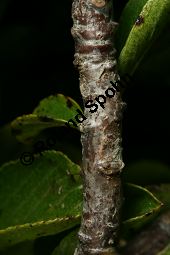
point(93, 32)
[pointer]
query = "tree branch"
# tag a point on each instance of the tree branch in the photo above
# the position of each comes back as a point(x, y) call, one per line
point(101, 132)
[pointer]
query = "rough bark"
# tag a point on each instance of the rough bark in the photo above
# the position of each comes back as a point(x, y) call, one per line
point(93, 32)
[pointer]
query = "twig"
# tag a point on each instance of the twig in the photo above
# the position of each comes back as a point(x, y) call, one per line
point(101, 132)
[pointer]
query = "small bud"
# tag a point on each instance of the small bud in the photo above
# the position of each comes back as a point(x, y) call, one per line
point(98, 3)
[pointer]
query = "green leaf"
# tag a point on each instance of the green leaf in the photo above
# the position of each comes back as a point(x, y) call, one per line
point(128, 17)
point(57, 107)
point(165, 251)
point(162, 192)
point(140, 207)
point(38, 200)
point(145, 172)
point(46, 197)
point(28, 126)
point(159, 53)
point(153, 19)
point(24, 248)
point(53, 111)
point(68, 244)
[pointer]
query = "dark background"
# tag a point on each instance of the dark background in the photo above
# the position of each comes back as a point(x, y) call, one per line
point(36, 55)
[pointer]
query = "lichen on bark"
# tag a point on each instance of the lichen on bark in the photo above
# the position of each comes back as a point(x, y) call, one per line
point(93, 32)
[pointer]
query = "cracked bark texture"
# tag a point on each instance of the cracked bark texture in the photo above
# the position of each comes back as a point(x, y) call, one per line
point(93, 33)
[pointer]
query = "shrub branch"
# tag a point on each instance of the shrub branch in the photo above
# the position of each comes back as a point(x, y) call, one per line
point(93, 30)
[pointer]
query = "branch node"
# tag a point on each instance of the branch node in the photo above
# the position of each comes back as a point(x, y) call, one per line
point(99, 3)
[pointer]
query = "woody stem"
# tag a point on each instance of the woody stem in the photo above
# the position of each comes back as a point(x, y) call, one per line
point(101, 132)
